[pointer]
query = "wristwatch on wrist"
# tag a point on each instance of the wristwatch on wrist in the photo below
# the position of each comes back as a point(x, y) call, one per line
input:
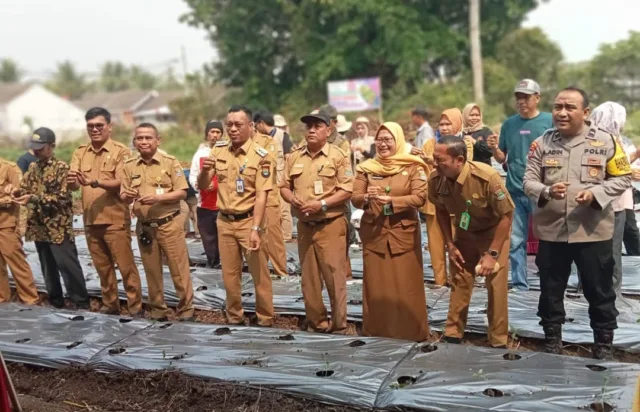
point(546, 193)
point(95, 183)
point(257, 229)
point(493, 253)
point(324, 205)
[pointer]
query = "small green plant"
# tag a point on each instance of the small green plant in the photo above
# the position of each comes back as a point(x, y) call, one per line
point(604, 390)
point(479, 375)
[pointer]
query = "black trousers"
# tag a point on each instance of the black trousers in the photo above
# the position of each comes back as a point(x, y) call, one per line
point(62, 259)
point(209, 234)
point(595, 264)
point(631, 237)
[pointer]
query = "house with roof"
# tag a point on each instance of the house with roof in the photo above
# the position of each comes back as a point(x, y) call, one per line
point(27, 106)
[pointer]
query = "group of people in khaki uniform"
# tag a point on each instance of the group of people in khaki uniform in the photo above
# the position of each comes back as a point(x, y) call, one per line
point(574, 173)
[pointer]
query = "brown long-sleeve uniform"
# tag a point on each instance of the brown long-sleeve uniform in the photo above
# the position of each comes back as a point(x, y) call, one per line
point(481, 186)
point(322, 237)
point(162, 174)
point(107, 224)
point(394, 303)
point(11, 251)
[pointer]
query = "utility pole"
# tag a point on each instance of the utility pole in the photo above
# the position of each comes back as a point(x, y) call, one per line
point(476, 50)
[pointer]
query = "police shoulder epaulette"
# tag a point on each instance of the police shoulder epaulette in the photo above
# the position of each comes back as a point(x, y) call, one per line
point(120, 145)
point(261, 152)
point(131, 159)
point(221, 143)
point(83, 146)
point(482, 170)
point(168, 156)
point(9, 162)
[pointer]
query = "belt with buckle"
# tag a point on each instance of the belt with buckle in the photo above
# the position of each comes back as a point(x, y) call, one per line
point(160, 222)
point(241, 216)
point(321, 222)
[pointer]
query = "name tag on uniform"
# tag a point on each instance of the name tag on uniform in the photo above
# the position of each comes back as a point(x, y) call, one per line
point(159, 191)
point(239, 186)
point(317, 187)
point(376, 178)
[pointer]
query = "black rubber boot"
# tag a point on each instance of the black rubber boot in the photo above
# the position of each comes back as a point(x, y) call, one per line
point(553, 339)
point(603, 348)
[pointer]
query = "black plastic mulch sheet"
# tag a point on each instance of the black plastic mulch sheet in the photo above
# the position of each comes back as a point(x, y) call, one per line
point(209, 294)
point(365, 372)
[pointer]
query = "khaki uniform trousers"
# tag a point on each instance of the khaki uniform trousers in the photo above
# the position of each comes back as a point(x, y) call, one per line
point(322, 256)
point(275, 241)
point(286, 220)
point(110, 245)
point(437, 250)
point(472, 245)
point(188, 208)
point(233, 242)
point(12, 254)
point(167, 240)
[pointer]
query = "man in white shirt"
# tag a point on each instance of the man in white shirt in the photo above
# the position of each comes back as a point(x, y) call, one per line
point(419, 118)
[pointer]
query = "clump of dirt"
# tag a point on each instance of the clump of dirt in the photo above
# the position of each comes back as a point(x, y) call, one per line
point(73, 389)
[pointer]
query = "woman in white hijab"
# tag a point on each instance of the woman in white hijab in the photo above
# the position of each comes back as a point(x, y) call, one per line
point(611, 117)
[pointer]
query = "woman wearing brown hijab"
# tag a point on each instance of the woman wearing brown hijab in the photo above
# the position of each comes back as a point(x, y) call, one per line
point(390, 188)
point(450, 124)
point(473, 126)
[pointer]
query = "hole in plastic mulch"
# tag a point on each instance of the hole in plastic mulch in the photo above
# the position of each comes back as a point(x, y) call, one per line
point(201, 288)
point(25, 340)
point(428, 348)
point(601, 407)
point(247, 294)
point(117, 351)
point(324, 373)
point(73, 345)
point(407, 380)
point(511, 356)
point(354, 302)
point(357, 343)
point(287, 337)
point(597, 368)
point(222, 331)
point(165, 325)
point(493, 393)
point(76, 318)
point(124, 320)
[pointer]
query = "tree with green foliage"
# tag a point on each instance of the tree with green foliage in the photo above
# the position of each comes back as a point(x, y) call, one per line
point(114, 76)
point(142, 79)
point(280, 49)
point(614, 73)
point(9, 71)
point(67, 82)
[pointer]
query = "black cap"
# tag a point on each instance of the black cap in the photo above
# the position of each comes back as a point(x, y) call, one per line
point(330, 111)
point(316, 115)
point(41, 136)
point(213, 124)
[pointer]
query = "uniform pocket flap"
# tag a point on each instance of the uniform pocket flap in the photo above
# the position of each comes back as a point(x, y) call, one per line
point(327, 172)
point(594, 161)
point(85, 167)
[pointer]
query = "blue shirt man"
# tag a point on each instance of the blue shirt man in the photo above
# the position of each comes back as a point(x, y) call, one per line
point(516, 135)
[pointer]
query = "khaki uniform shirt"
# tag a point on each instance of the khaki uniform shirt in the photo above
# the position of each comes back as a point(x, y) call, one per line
point(427, 149)
point(408, 191)
point(317, 178)
point(251, 164)
point(271, 145)
point(591, 161)
point(100, 206)
point(341, 142)
point(478, 184)
point(50, 210)
point(162, 173)
point(278, 137)
point(10, 174)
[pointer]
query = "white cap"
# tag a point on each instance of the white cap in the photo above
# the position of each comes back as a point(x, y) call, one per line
point(527, 86)
point(342, 124)
point(279, 120)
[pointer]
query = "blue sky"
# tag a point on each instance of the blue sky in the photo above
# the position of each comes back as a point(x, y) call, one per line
point(38, 33)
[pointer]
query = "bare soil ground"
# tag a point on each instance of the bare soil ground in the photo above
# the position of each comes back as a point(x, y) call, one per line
point(78, 389)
